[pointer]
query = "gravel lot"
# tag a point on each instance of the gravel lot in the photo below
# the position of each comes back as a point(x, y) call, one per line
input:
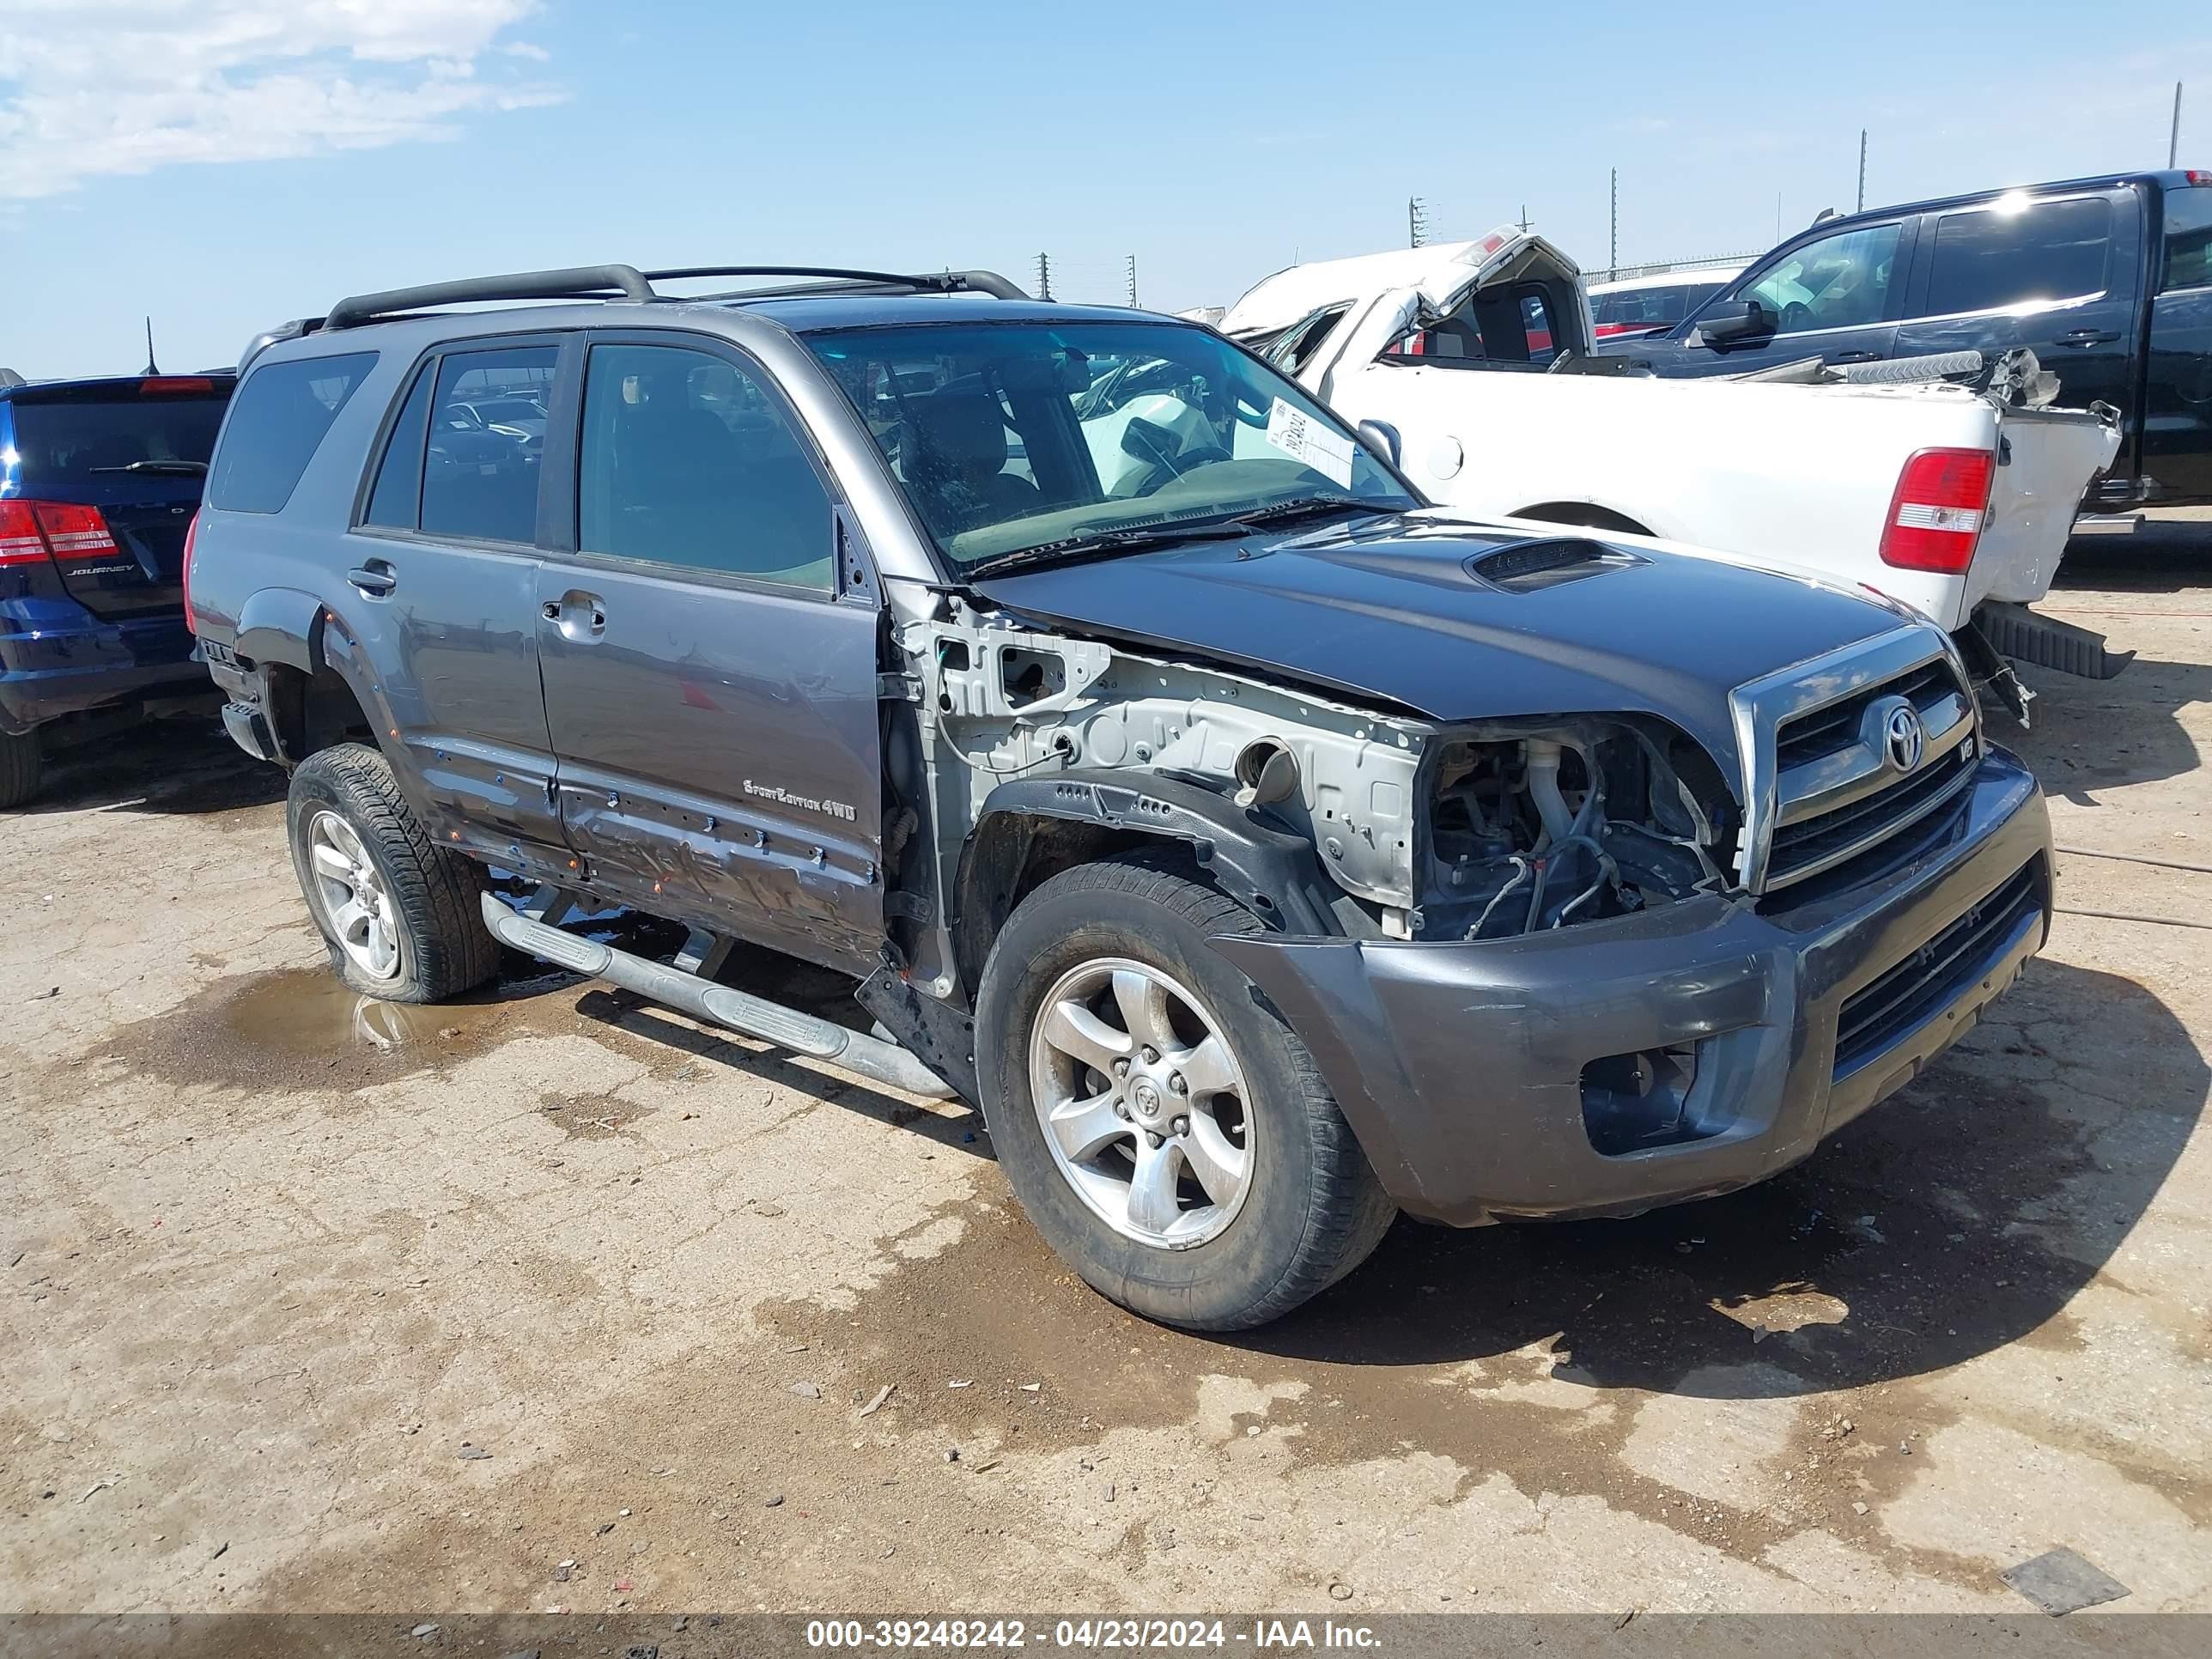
point(318, 1306)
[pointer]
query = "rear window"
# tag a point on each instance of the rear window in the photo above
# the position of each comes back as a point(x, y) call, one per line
point(2049, 251)
point(2188, 238)
point(284, 411)
point(65, 443)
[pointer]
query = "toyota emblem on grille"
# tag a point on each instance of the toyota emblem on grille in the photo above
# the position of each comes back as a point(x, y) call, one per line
point(1903, 737)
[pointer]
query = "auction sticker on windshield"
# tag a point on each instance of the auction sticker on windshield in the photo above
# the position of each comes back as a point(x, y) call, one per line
point(1306, 441)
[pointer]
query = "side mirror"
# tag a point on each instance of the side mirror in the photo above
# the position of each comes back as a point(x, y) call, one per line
point(1734, 319)
point(1382, 438)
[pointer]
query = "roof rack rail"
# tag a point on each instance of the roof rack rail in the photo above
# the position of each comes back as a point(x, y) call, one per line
point(579, 282)
point(940, 282)
point(627, 282)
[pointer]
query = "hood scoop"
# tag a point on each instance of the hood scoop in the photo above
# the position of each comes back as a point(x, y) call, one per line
point(1532, 566)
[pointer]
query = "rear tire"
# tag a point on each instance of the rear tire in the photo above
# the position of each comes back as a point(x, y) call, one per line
point(22, 767)
point(1272, 1201)
point(397, 911)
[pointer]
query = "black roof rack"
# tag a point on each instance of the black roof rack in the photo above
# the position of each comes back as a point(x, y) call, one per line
point(627, 282)
point(578, 282)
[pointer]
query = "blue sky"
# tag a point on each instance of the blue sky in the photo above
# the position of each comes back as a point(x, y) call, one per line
point(224, 164)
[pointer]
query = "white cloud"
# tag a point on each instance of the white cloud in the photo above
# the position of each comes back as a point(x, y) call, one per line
point(89, 88)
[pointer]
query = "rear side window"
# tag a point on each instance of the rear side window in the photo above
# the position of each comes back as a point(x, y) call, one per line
point(282, 413)
point(486, 440)
point(2188, 238)
point(2049, 250)
point(76, 441)
point(397, 499)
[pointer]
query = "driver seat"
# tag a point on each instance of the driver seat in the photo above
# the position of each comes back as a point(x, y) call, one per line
point(954, 455)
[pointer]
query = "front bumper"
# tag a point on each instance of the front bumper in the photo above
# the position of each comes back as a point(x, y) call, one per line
point(46, 672)
point(1461, 1066)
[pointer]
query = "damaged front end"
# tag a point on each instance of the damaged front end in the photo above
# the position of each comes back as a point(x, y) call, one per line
point(1536, 826)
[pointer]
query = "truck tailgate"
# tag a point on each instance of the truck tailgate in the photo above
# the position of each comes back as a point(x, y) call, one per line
point(2050, 455)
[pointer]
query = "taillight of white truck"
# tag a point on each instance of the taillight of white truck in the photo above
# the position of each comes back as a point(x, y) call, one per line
point(1936, 515)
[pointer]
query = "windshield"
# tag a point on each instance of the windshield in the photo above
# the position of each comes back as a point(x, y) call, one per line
point(1013, 437)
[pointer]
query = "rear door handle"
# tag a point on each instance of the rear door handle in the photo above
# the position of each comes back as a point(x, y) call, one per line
point(376, 578)
point(2088, 336)
point(1856, 357)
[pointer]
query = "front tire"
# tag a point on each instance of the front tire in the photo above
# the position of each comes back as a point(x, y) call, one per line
point(22, 766)
point(397, 911)
point(1165, 1130)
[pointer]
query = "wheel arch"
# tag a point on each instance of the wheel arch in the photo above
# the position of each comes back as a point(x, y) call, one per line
point(1031, 829)
point(317, 688)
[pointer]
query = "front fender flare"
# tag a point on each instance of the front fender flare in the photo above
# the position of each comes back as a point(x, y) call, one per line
point(1273, 872)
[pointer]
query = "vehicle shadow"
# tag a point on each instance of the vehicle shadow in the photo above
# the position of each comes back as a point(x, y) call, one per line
point(1959, 1216)
point(2090, 735)
point(952, 1124)
point(2140, 555)
point(184, 766)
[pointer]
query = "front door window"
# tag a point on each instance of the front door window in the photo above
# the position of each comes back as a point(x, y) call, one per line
point(1839, 282)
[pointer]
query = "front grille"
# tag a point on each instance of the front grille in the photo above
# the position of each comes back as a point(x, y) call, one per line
point(1801, 848)
point(1830, 726)
point(1880, 1016)
point(1837, 794)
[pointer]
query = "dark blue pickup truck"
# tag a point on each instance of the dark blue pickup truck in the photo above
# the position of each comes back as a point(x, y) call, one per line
point(2107, 279)
point(99, 481)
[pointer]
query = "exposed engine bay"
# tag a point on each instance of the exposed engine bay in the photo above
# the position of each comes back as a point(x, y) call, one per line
point(1431, 833)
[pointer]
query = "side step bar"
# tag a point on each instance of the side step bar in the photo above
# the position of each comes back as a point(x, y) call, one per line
point(851, 1051)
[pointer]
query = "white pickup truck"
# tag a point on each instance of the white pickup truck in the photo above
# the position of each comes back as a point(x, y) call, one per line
point(1472, 358)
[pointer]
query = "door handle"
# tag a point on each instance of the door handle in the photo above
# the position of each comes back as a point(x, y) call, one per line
point(1856, 357)
point(375, 579)
point(577, 615)
point(2088, 336)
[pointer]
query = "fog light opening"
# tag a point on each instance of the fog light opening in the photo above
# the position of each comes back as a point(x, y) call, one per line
point(1640, 1100)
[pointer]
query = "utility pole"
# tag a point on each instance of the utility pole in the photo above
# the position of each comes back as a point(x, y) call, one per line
point(1044, 276)
point(2173, 135)
point(1133, 281)
point(1417, 222)
point(1523, 220)
point(1862, 206)
point(1613, 238)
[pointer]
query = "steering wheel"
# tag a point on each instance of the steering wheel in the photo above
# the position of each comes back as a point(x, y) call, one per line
point(1796, 318)
point(1189, 461)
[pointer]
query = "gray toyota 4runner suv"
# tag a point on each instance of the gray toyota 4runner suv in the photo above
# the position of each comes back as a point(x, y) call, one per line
point(1262, 851)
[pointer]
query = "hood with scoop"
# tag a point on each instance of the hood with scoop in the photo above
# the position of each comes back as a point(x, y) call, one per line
point(1456, 621)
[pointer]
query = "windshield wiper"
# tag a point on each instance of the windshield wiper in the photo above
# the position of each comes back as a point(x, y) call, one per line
point(1308, 507)
point(1110, 544)
point(160, 469)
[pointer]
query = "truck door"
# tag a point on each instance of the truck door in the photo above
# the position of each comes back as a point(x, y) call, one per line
point(2177, 403)
point(2060, 275)
point(710, 681)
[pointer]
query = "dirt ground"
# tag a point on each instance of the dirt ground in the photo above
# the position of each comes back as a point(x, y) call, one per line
point(553, 1300)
